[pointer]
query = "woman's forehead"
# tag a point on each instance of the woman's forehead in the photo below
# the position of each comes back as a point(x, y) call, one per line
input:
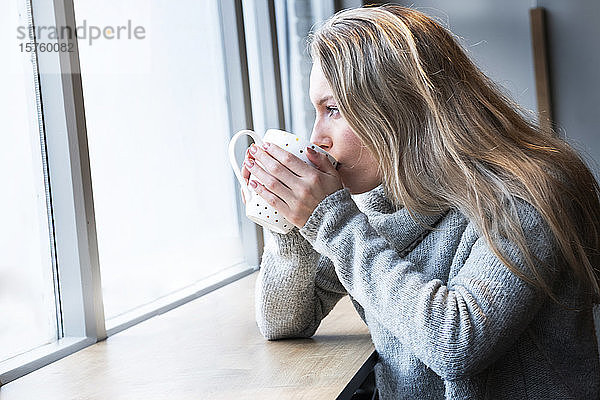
point(320, 90)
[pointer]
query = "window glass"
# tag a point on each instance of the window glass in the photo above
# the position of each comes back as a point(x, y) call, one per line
point(157, 126)
point(27, 302)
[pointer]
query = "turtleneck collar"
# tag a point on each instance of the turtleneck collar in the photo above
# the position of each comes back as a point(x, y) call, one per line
point(385, 217)
point(375, 200)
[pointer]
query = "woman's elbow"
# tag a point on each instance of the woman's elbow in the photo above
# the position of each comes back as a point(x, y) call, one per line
point(458, 366)
point(273, 330)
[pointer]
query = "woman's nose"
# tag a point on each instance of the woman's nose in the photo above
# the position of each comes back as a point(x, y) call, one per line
point(321, 139)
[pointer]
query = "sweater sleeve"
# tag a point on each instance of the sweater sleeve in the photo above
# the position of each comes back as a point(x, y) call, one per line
point(458, 328)
point(296, 287)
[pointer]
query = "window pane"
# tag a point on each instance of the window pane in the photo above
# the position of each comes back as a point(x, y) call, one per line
point(157, 125)
point(27, 303)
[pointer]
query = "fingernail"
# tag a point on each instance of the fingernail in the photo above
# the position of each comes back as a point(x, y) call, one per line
point(253, 184)
point(266, 145)
point(249, 163)
point(253, 149)
point(311, 151)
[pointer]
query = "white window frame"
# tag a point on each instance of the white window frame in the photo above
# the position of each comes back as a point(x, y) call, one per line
point(74, 227)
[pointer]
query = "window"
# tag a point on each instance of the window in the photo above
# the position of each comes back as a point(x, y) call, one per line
point(157, 124)
point(27, 302)
point(147, 128)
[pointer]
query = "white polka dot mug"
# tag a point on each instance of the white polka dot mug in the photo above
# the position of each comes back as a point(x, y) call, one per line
point(257, 209)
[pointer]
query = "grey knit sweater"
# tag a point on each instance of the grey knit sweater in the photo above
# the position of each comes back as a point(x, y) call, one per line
point(447, 318)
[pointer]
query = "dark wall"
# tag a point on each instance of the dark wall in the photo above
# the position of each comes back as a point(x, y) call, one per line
point(497, 36)
point(574, 46)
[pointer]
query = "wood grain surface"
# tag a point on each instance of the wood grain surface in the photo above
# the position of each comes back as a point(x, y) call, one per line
point(209, 348)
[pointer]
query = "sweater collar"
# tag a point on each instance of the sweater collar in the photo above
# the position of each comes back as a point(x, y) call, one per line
point(386, 218)
point(374, 200)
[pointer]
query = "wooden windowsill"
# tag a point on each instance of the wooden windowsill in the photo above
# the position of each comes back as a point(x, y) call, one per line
point(210, 348)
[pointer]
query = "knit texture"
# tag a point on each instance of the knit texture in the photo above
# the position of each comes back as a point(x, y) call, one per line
point(448, 319)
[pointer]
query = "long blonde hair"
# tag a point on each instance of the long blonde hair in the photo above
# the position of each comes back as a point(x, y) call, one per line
point(446, 137)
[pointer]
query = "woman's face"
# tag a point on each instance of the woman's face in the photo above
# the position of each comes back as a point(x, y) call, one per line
point(357, 167)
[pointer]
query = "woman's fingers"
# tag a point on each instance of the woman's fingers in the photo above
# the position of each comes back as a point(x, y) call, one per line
point(321, 161)
point(283, 157)
point(274, 166)
point(245, 172)
point(290, 185)
point(269, 179)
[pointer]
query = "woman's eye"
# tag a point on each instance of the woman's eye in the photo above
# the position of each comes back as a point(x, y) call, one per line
point(332, 111)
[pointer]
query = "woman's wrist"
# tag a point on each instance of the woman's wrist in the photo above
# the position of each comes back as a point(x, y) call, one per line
point(291, 243)
point(338, 200)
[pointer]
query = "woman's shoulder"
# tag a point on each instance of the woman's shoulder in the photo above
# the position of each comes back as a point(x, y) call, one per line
point(529, 217)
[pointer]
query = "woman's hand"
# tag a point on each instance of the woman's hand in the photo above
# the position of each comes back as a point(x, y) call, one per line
point(245, 172)
point(291, 186)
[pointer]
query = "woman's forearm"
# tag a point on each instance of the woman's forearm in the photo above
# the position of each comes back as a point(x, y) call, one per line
point(296, 288)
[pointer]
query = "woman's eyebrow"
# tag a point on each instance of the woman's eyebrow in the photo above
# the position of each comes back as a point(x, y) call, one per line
point(324, 99)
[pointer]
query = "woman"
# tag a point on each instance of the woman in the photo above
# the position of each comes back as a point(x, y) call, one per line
point(466, 236)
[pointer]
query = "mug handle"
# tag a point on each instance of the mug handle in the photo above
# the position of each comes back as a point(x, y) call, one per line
point(234, 163)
